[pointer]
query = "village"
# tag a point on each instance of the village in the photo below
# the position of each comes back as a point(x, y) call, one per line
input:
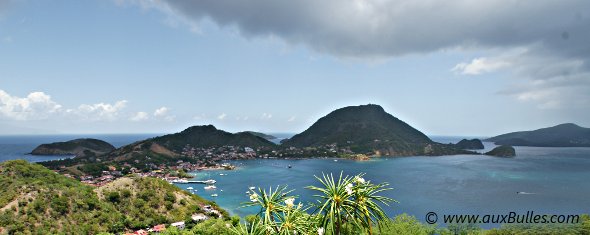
point(180, 225)
point(199, 159)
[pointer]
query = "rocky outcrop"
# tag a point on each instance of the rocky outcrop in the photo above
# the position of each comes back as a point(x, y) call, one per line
point(502, 151)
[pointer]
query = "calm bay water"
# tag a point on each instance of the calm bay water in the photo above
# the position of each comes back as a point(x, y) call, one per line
point(557, 178)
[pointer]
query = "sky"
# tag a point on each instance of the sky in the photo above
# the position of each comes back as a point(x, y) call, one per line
point(471, 68)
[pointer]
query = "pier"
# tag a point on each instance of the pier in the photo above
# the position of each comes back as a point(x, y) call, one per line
point(194, 181)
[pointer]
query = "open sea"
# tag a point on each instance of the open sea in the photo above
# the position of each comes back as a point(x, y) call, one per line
point(556, 180)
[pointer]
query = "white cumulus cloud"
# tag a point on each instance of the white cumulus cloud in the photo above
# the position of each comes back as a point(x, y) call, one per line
point(36, 106)
point(222, 116)
point(140, 116)
point(161, 112)
point(100, 111)
point(479, 66)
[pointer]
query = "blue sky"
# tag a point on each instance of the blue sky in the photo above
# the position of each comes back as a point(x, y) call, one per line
point(158, 66)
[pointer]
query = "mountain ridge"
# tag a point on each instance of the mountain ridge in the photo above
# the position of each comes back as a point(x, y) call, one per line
point(562, 135)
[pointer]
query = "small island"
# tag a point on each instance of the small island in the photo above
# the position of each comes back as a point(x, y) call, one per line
point(78, 147)
point(502, 151)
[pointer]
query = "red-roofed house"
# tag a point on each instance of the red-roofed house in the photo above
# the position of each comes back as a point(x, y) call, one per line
point(159, 228)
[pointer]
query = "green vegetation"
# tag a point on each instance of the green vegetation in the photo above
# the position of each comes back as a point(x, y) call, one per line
point(36, 200)
point(346, 204)
point(470, 144)
point(502, 151)
point(564, 135)
point(209, 136)
point(368, 129)
point(78, 147)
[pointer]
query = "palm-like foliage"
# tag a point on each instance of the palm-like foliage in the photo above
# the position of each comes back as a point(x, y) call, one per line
point(254, 228)
point(335, 202)
point(278, 212)
point(366, 200)
point(295, 220)
point(271, 204)
point(349, 201)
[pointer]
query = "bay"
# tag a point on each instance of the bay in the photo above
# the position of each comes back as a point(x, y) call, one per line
point(555, 178)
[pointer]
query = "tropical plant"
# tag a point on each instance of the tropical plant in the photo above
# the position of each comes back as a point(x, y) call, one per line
point(278, 213)
point(350, 200)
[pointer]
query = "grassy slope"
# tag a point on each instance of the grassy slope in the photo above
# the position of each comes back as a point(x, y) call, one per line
point(36, 200)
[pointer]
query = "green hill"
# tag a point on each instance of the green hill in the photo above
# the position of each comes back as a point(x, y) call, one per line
point(368, 128)
point(209, 136)
point(78, 147)
point(36, 200)
point(167, 149)
point(470, 144)
point(563, 135)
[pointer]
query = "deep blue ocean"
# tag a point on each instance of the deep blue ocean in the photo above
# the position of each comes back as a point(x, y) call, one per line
point(18, 147)
point(557, 179)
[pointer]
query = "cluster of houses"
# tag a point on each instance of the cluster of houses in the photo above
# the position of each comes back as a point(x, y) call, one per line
point(156, 229)
point(105, 178)
point(227, 152)
point(209, 158)
point(181, 224)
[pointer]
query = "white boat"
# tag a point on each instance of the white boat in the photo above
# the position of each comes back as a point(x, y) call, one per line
point(221, 190)
point(335, 160)
point(190, 188)
point(210, 181)
point(252, 188)
point(209, 187)
point(221, 174)
point(214, 195)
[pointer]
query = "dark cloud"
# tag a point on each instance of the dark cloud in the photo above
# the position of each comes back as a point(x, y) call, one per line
point(365, 28)
point(550, 37)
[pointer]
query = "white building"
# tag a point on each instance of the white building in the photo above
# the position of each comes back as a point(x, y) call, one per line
point(178, 225)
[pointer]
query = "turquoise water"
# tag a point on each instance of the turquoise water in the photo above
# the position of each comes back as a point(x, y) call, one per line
point(557, 177)
point(466, 184)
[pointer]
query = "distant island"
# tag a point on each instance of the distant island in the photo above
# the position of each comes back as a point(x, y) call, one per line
point(354, 132)
point(77, 147)
point(563, 135)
